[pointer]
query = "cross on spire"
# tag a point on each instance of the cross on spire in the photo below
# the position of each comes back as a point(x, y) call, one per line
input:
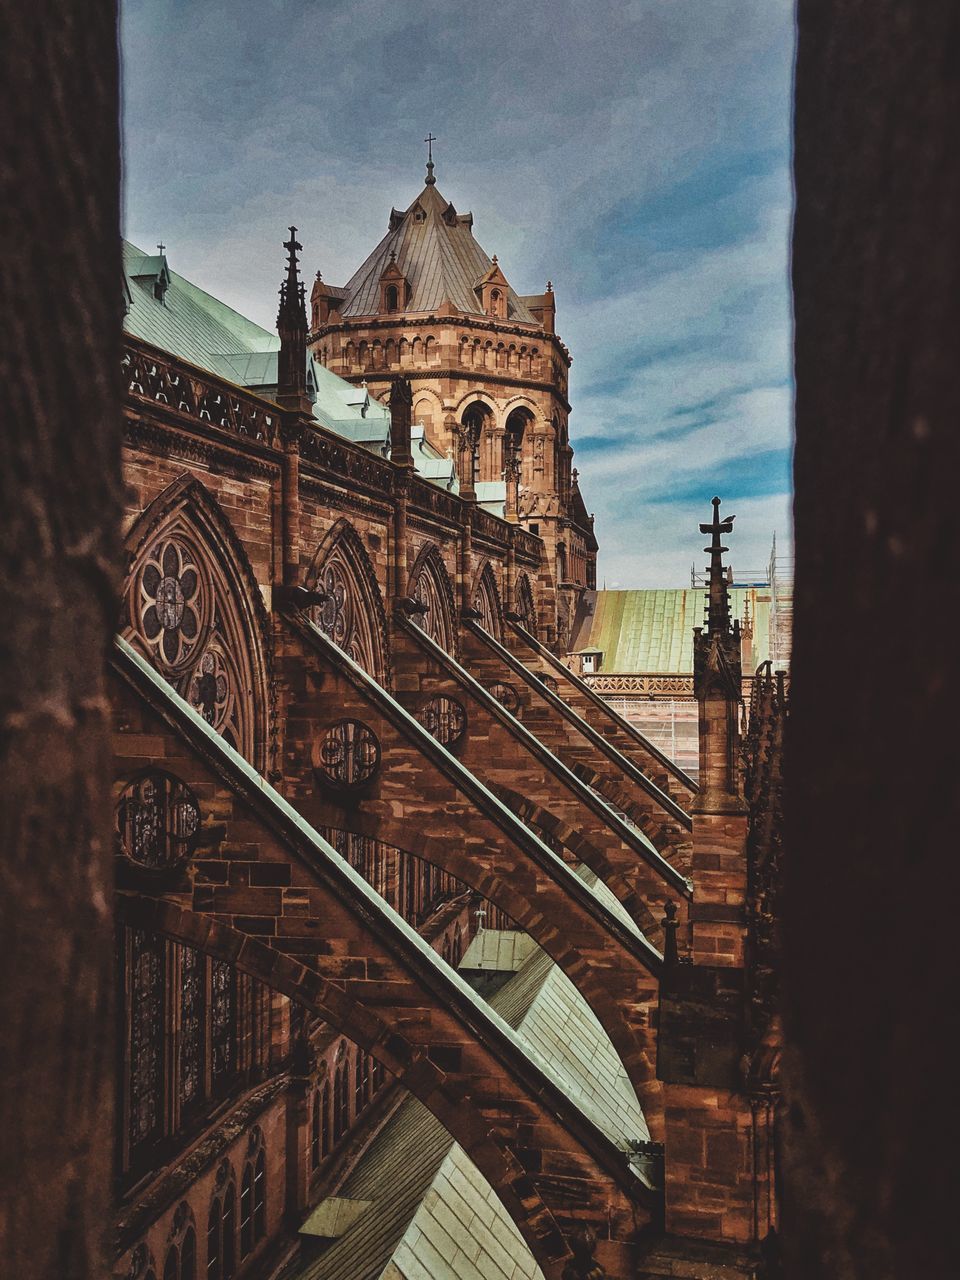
point(161, 246)
point(718, 603)
point(430, 139)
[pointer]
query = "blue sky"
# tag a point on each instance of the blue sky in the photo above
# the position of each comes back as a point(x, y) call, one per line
point(635, 152)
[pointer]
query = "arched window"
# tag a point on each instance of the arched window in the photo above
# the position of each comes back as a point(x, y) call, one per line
point(253, 1195)
point(193, 607)
point(526, 612)
point(341, 1094)
point(316, 1129)
point(457, 953)
point(223, 1025)
point(325, 1121)
point(222, 1226)
point(430, 587)
point(214, 1241)
point(393, 298)
point(352, 614)
point(359, 1100)
point(188, 1256)
point(146, 956)
point(486, 600)
point(246, 1210)
point(228, 1226)
point(260, 1196)
point(171, 1268)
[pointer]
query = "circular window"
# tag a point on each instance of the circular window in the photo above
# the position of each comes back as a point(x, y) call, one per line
point(349, 754)
point(549, 682)
point(158, 819)
point(444, 718)
point(506, 695)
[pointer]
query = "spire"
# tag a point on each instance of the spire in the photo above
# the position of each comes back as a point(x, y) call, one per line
point(718, 602)
point(292, 328)
point(430, 140)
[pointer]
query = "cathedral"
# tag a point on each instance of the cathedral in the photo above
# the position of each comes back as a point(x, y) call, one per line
point(430, 963)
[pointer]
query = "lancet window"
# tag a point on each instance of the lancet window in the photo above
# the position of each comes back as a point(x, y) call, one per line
point(526, 610)
point(430, 587)
point(351, 614)
point(486, 601)
point(191, 1031)
point(191, 607)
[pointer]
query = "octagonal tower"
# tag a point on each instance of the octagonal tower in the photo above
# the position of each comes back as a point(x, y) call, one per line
point(488, 371)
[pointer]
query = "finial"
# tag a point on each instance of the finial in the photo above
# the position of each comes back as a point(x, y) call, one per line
point(319, 276)
point(393, 256)
point(162, 247)
point(430, 139)
point(549, 286)
point(718, 601)
point(494, 259)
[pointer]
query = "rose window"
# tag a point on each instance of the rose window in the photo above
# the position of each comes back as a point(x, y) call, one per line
point(506, 695)
point(158, 818)
point(444, 718)
point(169, 601)
point(349, 754)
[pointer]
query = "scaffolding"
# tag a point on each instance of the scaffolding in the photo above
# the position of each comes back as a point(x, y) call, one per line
point(777, 578)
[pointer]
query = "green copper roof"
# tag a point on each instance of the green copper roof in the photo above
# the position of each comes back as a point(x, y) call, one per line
point(652, 630)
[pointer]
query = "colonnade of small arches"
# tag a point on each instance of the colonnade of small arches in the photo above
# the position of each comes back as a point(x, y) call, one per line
point(369, 356)
point(236, 1223)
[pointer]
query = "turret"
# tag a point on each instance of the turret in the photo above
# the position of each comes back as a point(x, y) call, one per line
point(292, 328)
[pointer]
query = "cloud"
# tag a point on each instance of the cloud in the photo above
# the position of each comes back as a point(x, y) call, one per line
point(635, 153)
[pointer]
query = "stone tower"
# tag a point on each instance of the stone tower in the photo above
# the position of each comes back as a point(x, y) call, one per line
point(488, 373)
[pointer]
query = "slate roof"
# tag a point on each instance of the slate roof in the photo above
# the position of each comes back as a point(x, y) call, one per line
point(439, 257)
point(652, 630)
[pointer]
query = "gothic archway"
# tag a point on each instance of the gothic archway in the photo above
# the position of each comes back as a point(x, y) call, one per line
point(192, 605)
point(352, 614)
point(486, 600)
point(525, 608)
point(430, 586)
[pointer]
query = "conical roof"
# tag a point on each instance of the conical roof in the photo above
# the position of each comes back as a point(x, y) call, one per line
point(441, 261)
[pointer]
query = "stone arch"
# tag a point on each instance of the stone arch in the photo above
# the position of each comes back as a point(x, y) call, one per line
point(390, 353)
point(635, 1045)
point(193, 607)
point(428, 409)
point(353, 615)
point(431, 351)
point(368, 1031)
point(430, 585)
point(524, 606)
point(350, 355)
point(485, 598)
point(466, 351)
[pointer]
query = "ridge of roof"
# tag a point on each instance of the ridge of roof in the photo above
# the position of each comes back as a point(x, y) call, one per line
point(439, 257)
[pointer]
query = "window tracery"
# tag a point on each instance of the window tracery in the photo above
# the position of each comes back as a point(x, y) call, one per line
point(486, 601)
point(223, 999)
point(146, 1036)
point(192, 608)
point(157, 819)
point(349, 754)
point(525, 608)
point(193, 1000)
point(430, 587)
point(506, 695)
point(351, 614)
point(444, 718)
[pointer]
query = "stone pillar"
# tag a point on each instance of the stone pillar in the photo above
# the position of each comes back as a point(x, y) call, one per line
point(401, 411)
